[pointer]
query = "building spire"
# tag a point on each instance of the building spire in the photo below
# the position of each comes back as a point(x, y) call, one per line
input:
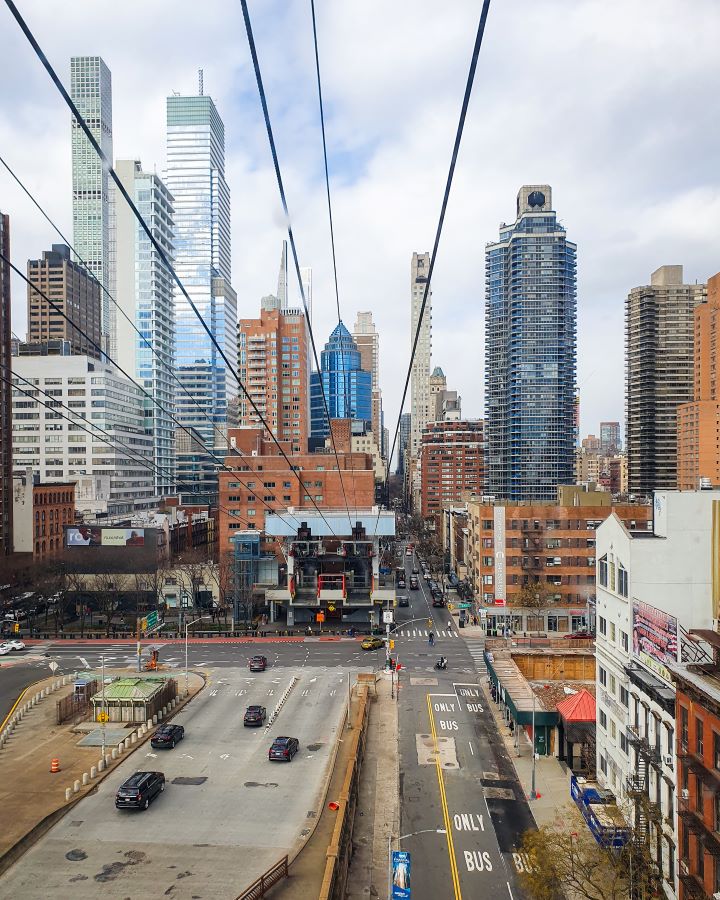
point(200, 82)
point(282, 290)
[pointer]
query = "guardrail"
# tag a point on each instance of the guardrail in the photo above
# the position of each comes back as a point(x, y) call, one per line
point(263, 884)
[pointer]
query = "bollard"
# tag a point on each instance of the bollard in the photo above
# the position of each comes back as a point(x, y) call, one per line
point(149, 724)
point(142, 730)
point(133, 738)
point(155, 719)
point(114, 753)
point(107, 760)
point(93, 771)
point(126, 744)
point(76, 787)
point(85, 778)
point(101, 765)
point(164, 711)
point(68, 794)
point(120, 748)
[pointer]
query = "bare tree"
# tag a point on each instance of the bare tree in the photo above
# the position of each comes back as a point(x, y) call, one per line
point(535, 596)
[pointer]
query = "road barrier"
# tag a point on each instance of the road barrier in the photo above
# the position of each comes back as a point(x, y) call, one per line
point(54, 765)
point(340, 849)
point(263, 884)
point(286, 693)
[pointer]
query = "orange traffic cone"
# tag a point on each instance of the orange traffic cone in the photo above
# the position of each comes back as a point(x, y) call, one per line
point(55, 765)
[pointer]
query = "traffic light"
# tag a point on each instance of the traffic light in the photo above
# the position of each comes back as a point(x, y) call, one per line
point(16, 627)
point(392, 644)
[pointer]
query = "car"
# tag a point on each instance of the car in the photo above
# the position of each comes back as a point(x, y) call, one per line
point(372, 643)
point(4, 648)
point(254, 715)
point(283, 749)
point(15, 644)
point(167, 736)
point(438, 600)
point(258, 663)
point(402, 600)
point(139, 790)
point(414, 583)
point(415, 570)
point(408, 552)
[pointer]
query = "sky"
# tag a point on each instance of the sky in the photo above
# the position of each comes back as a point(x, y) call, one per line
point(614, 104)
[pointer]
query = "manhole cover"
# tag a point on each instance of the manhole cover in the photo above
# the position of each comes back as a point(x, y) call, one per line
point(76, 855)
point(314, 746)
point(185, 779)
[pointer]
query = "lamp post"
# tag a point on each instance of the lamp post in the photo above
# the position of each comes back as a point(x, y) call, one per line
point(533, 792)
point(102, 663)
point(187, 626)
point(403, 837)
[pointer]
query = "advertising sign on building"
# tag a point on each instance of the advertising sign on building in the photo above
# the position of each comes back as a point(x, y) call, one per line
point(94, 536)
point(499, 545)
point(655, 638)
point(400, 875)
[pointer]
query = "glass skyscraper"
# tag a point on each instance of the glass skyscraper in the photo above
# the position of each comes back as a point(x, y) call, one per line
point(144, 291)
point(347, 387)
point(530, 352)
point(91, 91)
point(195, 177)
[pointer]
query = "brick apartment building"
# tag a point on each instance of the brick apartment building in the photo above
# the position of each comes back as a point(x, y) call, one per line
point(698, 422)
point(452, 465)
point(697, 718)
point(40, 510)
point(549, 544)
point(264, 480)
point(273, 363)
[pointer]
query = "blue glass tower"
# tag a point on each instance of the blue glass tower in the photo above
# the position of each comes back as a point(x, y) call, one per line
point(347, 387)
point(530, 352)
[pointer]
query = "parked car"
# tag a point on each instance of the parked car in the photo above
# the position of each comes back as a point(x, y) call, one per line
point(258, 663)
point(415, 570)
point(139, 790)
point(15, 644)
point(283, 749)
point(167, 736)
point(254, 715)
point(372, 643)
point(403, 600)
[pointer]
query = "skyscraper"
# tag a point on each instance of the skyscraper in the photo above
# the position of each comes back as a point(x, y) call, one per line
point(368, 343)
point(402, 442)
point(77, 293)
point(530, 352)
point(420, 372)
point(307, 282)
point(6, 482)
point(347, 387)
point(144, 291)
point(610, 440)
point(195, 177)
point(91, 91)
point(659, 326)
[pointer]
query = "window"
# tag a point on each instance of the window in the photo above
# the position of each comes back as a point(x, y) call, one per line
point(716, 750)
point(613, 729)
point(699, 744)
point(624, 697)
point(612, 632)
point(603, 571)
point(624, 746)
point(603, 720)
point(683, 728)
point(622, 581)
point(602, 675)
point(625, 641)
point(603, 624)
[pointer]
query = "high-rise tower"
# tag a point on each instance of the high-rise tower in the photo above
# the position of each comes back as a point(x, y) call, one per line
point(367, 339)
point(420, 372)
point(659, 328)
point(91, 91)
point(6, 482)
point(346, 385)
point(195, 177)
point(530, 352)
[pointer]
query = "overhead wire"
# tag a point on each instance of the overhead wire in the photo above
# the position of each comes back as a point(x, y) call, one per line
point(441, 220)
point(104, 354)
point(107, 165)
point(291, 236)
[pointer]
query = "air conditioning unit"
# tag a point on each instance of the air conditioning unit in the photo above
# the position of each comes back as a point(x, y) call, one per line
point(669, 761)
point(685, 794)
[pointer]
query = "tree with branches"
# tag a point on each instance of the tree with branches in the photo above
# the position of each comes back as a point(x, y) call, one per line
point(535, 596)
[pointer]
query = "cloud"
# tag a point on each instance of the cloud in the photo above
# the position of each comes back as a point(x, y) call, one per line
point(614, 104)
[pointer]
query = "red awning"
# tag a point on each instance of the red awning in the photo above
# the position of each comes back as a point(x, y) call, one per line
point(578, 707)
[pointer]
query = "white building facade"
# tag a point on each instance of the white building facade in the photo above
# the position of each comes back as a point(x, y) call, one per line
point(56, 401)
point(144, 292)
point(652, 587)
point(420, 401)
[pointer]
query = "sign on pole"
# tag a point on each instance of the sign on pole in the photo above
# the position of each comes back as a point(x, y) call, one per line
point(387, 617)
point(53, 666)
point(400, 875)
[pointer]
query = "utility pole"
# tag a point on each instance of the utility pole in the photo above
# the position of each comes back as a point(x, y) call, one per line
point(102, 663)
point(533, 792)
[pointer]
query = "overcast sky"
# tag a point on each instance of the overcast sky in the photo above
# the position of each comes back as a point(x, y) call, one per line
point(615, 104)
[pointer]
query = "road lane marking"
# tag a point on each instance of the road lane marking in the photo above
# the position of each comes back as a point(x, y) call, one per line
point(471, 749)
point(443, 802)
point(84, 662)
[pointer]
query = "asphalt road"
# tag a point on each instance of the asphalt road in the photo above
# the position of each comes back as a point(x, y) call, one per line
point(462, 810)
point(15, 676)
point(211, 836)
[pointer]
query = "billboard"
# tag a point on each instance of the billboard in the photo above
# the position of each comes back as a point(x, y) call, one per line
point(97, 536)
point(400, 875)
point(655, 638)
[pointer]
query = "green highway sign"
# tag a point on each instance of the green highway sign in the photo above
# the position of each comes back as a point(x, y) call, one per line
point(463, 606)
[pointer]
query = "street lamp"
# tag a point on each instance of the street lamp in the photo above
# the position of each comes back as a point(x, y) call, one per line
point(402, 838)
point(187, 625)
point(533, 792)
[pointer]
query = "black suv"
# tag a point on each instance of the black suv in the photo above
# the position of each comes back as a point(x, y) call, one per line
point(255, 715)
point(283, 748)
point(139, 790)
point(167, 736)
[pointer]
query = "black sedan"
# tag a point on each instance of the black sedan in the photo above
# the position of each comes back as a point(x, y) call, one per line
point(167, 736)
point(139, 790)
point(403, 600)
point(258, 663)
point(283, 749)
point(254, 715)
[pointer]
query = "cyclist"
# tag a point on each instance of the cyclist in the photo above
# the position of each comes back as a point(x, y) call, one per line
point(431, 639)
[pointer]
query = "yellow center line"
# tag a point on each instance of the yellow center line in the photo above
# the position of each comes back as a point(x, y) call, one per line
point(443, 801)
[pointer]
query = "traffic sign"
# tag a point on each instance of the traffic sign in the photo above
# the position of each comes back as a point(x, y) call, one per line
point(151, 619)
point(387, 617)
point(331, 608)
point(53, 666)
point(103, 717)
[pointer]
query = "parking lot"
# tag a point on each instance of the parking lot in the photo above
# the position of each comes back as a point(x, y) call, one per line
point(227, 813)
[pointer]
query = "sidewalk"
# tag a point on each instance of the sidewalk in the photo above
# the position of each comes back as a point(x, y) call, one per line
point(31, 797)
